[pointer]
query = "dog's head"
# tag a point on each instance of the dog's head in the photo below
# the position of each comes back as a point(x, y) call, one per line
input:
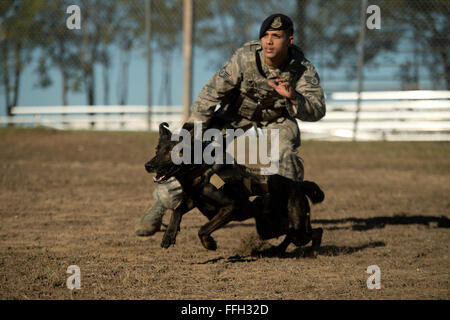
point(162, 163)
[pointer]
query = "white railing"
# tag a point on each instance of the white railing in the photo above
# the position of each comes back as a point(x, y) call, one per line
point(400, 115)
point(126, 118)
point(384, 115)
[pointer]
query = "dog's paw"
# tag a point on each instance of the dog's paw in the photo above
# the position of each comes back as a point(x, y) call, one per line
point(167, 241)
point(208, 242)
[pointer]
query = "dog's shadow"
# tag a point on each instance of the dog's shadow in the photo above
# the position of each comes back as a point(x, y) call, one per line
point(302, 252)
point(363, 224)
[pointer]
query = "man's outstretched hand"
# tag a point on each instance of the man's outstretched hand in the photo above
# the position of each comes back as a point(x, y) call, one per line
point(284, 88)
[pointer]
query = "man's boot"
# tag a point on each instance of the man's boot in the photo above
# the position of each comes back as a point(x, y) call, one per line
point(298, 215)
point(151, 222)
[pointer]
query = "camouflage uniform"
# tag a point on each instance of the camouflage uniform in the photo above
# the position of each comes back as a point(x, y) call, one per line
point(246, 76)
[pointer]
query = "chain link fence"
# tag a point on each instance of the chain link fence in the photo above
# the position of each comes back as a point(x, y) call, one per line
point(409, 51)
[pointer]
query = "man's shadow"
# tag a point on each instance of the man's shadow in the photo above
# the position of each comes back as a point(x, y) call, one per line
point(359, 224)
point(363, 224)
point(304, 252)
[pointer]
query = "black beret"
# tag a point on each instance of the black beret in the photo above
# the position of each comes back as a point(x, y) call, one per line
point(276, 21)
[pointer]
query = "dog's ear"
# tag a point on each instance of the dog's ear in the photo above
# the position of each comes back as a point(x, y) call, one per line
point(189, 126)
point(163, 130)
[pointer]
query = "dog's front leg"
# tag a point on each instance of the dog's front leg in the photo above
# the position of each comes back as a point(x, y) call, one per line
point(170, 235)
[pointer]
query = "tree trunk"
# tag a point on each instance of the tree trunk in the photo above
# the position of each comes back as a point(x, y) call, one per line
point(446, 68)
point(300, 24)
point(447, 75)
point(17, 73)
point(165, 94)
point(61, 63)
point(106, 85)
point(88, 59)
point(123, 83)
point(167, 82)
point(64, 86)
point(5, 71)
point(441, 51)
point(91, 89)
point(64, 89)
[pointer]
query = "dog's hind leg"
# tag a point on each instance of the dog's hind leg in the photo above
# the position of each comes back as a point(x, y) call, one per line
point(316, 236)
point(316, 239)
point(281, 248)
point(224, 216)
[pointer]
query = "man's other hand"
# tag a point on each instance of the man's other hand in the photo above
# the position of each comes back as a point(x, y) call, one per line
point(284, 88)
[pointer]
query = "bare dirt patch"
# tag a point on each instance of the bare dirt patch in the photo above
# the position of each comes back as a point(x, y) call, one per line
point(74, 198)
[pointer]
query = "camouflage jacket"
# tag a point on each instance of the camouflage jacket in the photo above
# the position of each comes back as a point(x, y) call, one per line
point(246, 75)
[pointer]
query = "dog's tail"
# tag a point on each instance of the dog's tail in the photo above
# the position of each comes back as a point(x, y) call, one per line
point(313, 191)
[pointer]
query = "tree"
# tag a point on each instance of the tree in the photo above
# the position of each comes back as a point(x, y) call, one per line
point(426, 23)
point(58, 48)
point(227, 24)
point(336, 28)
point(18, 28)
point(300, 21)
point(167, 36)
point(419, 26)
point(127, 37)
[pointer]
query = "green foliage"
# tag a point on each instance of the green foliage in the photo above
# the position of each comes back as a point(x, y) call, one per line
point(225, 25)
point(427, 23)
point(336, 28)
point(18, 28)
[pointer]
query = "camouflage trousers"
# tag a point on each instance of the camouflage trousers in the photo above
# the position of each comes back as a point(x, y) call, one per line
point(168, 195)
point(290, 164)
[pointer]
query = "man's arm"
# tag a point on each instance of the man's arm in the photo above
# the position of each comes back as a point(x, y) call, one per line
point(222, 83)
point(310, 102)
point(306, 102)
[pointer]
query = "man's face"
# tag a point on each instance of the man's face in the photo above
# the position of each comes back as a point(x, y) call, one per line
point(275, 44)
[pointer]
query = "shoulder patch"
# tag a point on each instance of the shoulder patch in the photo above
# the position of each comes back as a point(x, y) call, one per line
point(252, 46)
point(313, 80)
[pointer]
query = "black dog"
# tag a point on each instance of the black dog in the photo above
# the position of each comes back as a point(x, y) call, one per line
point(264, 198)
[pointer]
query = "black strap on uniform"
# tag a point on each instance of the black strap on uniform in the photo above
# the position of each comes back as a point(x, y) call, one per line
point(258, 65)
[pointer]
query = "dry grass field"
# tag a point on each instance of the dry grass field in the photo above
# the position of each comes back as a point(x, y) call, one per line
point(74, 198)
